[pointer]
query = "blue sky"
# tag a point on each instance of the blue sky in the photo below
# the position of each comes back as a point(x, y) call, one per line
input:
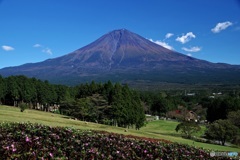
point(36, 30)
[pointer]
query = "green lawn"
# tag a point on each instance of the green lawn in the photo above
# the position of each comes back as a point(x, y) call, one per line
point(156, 129)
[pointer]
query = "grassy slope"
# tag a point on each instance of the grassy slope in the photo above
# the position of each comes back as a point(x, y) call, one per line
point(156, 129)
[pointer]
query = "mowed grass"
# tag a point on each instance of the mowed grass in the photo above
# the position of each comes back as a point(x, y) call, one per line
point(156, 129)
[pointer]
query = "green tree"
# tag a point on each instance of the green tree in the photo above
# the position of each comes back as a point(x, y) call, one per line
point(67, 106)
point(45, 93)
point(219, 108)
point(12, 92)
point(140, 117)
point(234, 118)
point(2, 89)
point(221, 130)
point(107, 92)
point(216, 109)
point(62, 93)
point(99, 109)
point(160, 106)
point(26, 89)
point(188, 128)
point(80, 108)
point(119, 115)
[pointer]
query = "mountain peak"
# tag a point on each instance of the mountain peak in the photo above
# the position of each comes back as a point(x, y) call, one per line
point(119, 30)
point(121, 33)
point(122, 47)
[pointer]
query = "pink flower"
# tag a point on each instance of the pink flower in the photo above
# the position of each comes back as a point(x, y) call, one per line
point(50, 154)
point(27, 139)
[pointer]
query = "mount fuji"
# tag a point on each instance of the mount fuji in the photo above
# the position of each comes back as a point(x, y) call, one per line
point(123, 56)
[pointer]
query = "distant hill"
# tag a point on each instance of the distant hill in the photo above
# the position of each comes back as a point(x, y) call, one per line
point(126, 57)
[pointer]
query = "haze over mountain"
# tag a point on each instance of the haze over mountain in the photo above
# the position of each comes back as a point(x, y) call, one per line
point(124, 56)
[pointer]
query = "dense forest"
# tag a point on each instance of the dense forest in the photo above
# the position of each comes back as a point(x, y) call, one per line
point(107, 103)
point(115, 104)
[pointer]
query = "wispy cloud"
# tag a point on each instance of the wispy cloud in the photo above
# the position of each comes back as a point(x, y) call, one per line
point(189, 54)
point(168, 35)
point(163, 44)
point(221, 26)
point(192, 49)
point(47, 50)
point(44, 49)
point(37, 45)
point(185, 38)
point(7, 48)
point(237, 28)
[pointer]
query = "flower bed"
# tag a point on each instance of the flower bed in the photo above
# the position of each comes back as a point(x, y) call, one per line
point(34, 141)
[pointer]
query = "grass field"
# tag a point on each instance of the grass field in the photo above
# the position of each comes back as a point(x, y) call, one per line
point(155, 129)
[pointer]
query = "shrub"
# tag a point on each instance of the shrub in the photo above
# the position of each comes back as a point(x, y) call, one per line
point(188, 128)
point(23, 107)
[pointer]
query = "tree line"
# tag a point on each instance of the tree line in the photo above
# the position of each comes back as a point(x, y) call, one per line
point(20, 89)
point(107, 103)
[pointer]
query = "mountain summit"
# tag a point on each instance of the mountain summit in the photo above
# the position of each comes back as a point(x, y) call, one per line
point(121, 55)
point(120, 48)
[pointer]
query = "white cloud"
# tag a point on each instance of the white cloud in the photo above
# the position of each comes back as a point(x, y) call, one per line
point(44, 49)
point(47, 50)
point(7, 48)
point(37, 45)
point(189, 54)
point(192, 49)
point(168, 35)
point(185, 38)
point(221, 26)
point(163, 44)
